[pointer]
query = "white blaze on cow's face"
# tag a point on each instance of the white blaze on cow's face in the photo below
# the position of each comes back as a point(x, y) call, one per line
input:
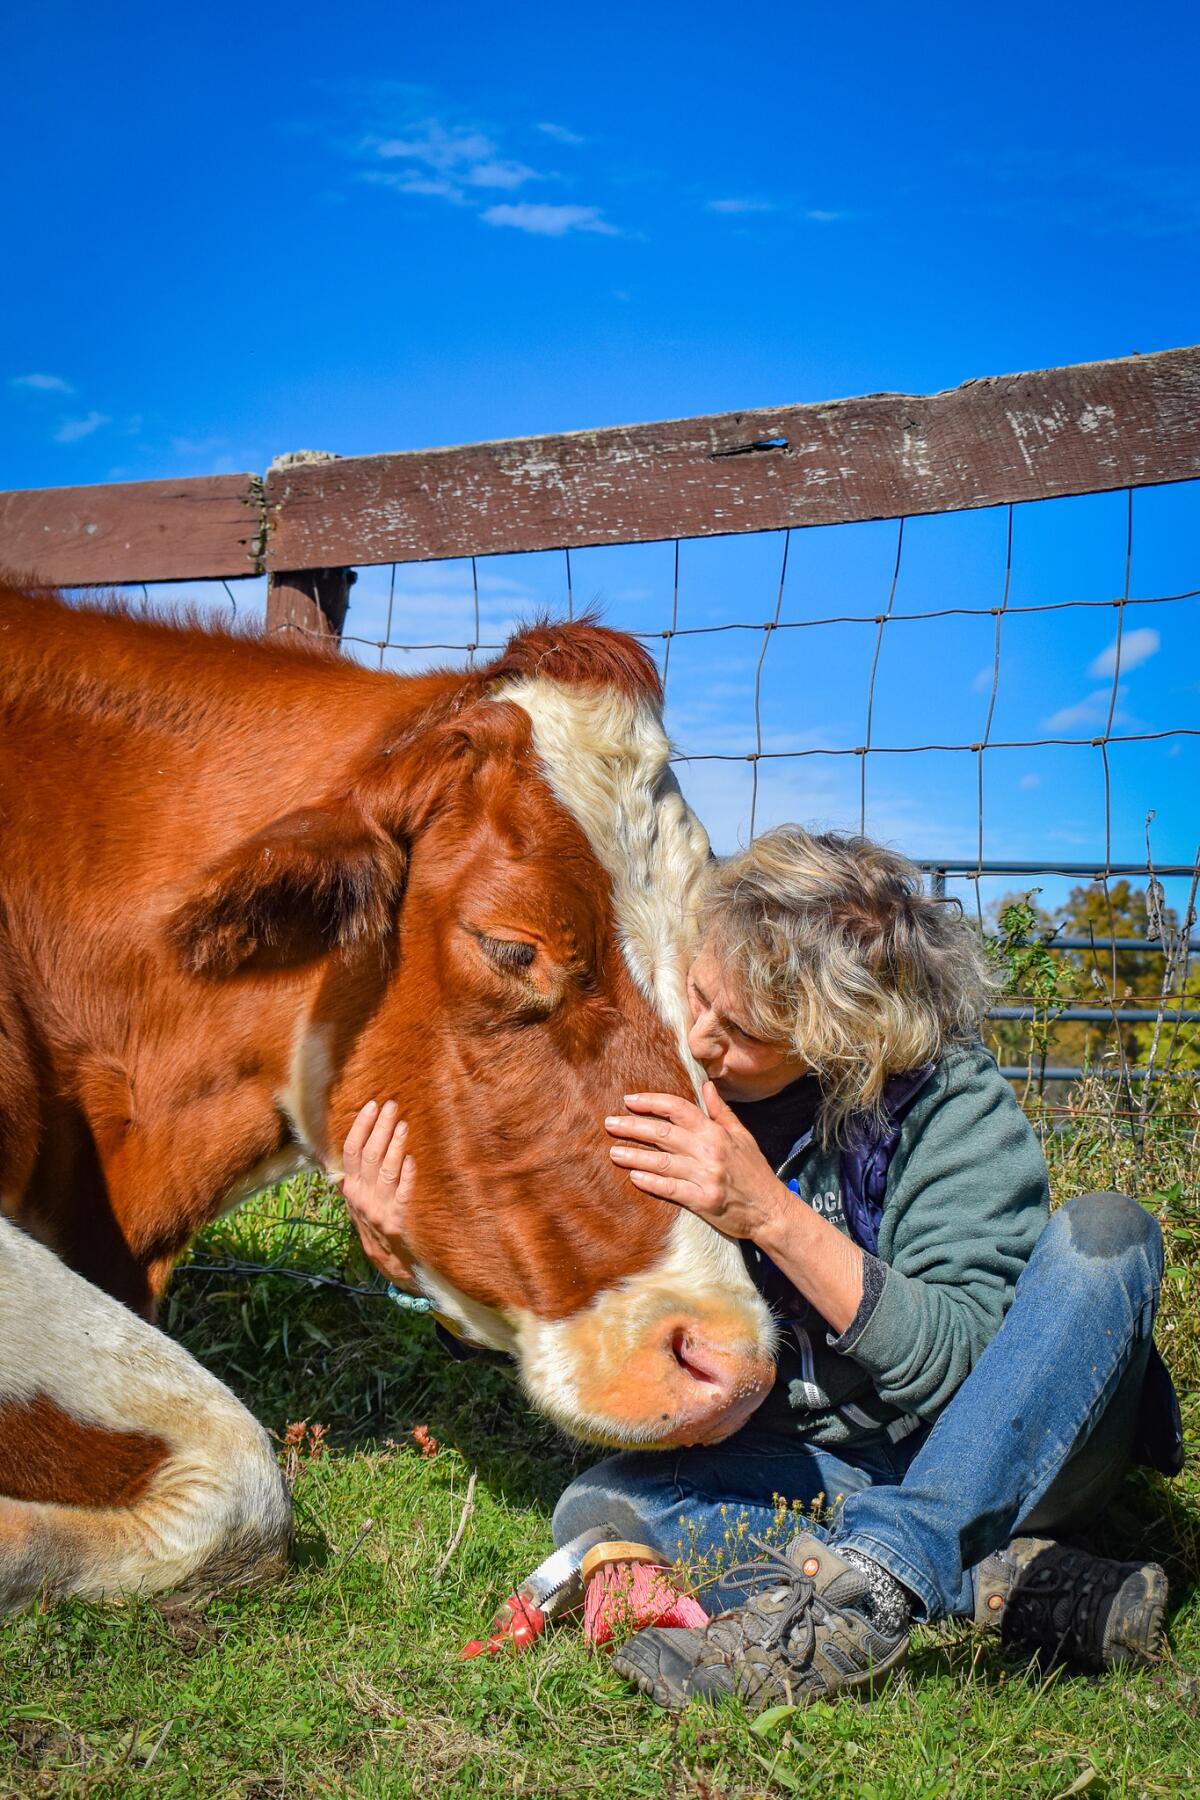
point(683, 1350)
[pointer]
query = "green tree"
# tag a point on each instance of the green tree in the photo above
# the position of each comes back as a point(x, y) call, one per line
point(1048, 979)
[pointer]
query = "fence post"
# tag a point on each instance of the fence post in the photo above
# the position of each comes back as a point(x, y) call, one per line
point(311, 600)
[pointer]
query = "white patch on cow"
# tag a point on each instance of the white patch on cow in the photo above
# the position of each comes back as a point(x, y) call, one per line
point(64, 1340)
point(305, 1099)
point(605, 756)
point(694, 1263)
point(477, 1323)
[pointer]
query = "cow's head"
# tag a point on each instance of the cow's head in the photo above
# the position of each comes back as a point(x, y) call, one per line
point(505, 890)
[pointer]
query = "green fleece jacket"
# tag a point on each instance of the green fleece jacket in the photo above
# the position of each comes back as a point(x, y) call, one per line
point(967, 1196)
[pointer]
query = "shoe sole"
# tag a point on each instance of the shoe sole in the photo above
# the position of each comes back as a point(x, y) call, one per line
point(867, 1685)
point(1152, 1644)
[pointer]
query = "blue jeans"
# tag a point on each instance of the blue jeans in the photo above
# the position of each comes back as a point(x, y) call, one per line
point(1036, 1439)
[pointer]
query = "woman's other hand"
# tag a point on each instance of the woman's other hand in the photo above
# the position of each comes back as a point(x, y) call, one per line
point(376, 1184)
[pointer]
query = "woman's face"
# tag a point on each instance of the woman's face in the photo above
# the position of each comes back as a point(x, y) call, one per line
point(743, 1066)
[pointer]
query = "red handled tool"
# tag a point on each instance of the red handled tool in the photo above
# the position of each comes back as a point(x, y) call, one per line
point(555, 1586)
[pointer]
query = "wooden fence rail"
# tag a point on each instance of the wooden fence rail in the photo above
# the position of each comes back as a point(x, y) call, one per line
point(1080, 429)
point(199, 529)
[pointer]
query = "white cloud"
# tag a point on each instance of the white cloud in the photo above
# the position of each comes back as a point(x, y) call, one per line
point(740, 206)
point(1092, 710)
point(560, 134)
point(1030, 781)
point(447, 159)
point(72, 430)
point(41, 384)
point(736, 205)
point(1136, 647)
point(981, 681)
point(549, 221)
point(438, 148)
point(499, 173)
point(411, 181)
point(438, 158)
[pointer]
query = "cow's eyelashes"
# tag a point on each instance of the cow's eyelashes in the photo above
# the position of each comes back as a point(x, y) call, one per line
point(511, 955)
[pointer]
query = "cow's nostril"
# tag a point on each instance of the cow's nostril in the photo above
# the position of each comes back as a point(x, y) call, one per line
point(692, 1361)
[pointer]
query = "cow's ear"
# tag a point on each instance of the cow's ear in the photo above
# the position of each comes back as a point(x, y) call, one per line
point(322, 878)
point(409, 783)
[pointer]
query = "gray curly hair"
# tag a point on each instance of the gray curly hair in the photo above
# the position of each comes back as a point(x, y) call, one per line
point(842, 955)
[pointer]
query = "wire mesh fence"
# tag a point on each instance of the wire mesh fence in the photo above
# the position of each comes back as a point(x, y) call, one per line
point(1010, 695)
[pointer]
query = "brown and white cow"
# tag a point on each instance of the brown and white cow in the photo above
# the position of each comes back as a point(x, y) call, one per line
point(125, 1467)
point(246, 885)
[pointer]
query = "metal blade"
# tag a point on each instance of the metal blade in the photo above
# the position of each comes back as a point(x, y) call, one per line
point(557, 1584)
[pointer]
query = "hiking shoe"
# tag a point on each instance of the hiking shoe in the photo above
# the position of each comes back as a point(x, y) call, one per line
point(1073, 1607)
point(804, 1635)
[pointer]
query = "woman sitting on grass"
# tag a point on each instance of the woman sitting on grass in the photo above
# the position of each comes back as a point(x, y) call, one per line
point(957, 1376)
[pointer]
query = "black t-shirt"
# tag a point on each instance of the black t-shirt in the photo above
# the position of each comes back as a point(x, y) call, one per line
point(775, 1124)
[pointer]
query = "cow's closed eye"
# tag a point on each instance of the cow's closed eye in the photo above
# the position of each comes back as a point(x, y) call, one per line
point(510, 955)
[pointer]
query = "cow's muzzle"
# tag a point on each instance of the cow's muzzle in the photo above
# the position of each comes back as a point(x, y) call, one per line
point(652, 1371)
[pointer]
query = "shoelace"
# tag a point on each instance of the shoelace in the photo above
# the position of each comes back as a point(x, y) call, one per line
point(802, 1600)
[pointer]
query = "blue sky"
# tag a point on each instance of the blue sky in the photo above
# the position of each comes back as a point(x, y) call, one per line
point(376, 227)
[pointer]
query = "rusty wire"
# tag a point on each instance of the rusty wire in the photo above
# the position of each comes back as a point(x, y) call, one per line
point(768, 628)
point(668, 632)
point(883, 620)
point(981, 747)
point(991, 713)
point(473, 646)
point(673, 629)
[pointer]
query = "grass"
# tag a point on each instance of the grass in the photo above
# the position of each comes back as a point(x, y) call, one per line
point(345, 1679)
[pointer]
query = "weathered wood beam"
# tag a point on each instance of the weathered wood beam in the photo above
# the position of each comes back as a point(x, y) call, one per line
point(1074, 430)
point(200, 528)
point(309, 600)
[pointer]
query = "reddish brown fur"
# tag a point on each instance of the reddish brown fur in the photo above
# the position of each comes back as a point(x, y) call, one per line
point(210, 838)
point(46, 1455)
point(564, 653)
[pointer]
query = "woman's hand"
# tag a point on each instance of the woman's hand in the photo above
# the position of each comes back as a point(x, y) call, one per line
point(376, 1185)
point(710, 1165)
point(714, 1167)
